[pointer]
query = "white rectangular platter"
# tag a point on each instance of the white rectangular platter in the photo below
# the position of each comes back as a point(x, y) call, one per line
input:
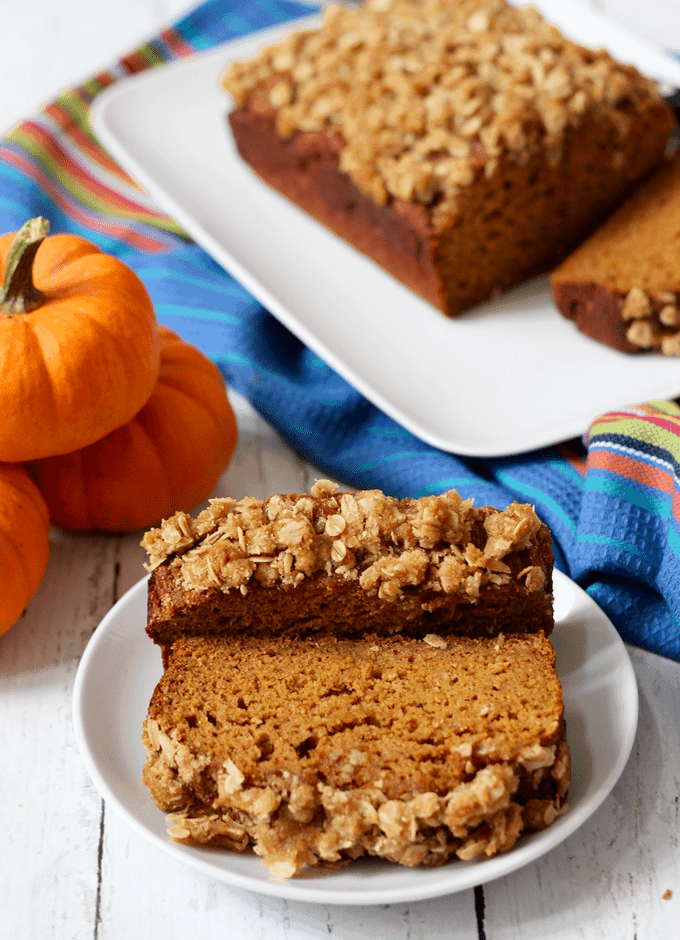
point(509, 376)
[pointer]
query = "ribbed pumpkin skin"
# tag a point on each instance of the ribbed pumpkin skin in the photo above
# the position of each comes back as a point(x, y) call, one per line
point(169, 457)
point(82, 363)
point(24, 542)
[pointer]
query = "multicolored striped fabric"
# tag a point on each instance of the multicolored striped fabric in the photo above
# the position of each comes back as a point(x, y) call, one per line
point(613, 503)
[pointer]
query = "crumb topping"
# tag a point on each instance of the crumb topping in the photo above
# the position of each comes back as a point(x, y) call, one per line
point(426, 96)
point(292, 824)
point(383, 543)
point(652, 321)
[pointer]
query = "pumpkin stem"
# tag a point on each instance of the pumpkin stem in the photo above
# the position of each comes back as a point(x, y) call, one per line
point(19, 294)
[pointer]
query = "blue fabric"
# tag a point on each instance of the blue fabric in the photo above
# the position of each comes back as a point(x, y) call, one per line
point(635, 577)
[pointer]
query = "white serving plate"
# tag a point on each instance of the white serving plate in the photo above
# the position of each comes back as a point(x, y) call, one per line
point(121, 666)
point(509, 376)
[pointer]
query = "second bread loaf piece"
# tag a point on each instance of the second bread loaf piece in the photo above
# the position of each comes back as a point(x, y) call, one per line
point(622, 285)
point(322, 749)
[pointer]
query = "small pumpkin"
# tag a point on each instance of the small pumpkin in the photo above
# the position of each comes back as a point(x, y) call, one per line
point(24, 542)
point(169, 457)
point(79, 349)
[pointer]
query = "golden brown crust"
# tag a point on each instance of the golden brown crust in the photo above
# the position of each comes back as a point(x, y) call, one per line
point(320, 750)
point(304, 168)
point(350, 563)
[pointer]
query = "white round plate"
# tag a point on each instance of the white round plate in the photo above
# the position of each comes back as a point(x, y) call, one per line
point(120, 668)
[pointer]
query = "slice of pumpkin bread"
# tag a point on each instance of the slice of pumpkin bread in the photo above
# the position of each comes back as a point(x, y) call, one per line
point(622, 285)
point(322, 749)
point(348, 564)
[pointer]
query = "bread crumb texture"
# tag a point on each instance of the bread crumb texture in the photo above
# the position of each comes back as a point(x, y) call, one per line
point(320, 750)
point(427, 96)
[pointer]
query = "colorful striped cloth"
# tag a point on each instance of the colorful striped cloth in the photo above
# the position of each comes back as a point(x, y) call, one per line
point(613, 506)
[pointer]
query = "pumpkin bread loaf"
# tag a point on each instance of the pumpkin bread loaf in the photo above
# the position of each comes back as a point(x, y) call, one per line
point(463, 145)
point(622, 285)
point(348, 564)
point(323, 749)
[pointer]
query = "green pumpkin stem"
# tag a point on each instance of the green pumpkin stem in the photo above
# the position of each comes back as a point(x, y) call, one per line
point(19, 293)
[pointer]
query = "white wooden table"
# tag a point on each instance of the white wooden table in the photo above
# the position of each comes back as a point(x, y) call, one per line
point(71, 869)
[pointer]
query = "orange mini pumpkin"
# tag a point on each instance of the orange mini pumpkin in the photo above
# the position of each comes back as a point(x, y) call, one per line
point(78, 343)
point(24, 542)
point(169, 457)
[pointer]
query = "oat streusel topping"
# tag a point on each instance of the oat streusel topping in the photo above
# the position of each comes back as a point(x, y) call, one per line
point(481, 816)
point(427, 95)
point(653, 322)
point(384, 543)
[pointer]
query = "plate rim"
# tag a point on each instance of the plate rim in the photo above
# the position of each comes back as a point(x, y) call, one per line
point(479, 873)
